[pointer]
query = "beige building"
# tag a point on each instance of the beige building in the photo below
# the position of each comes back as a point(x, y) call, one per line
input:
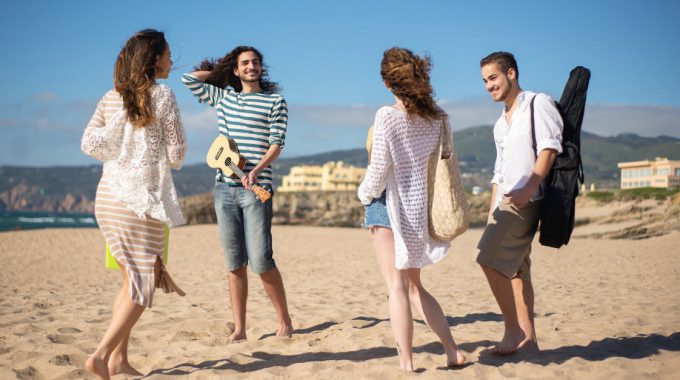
point(660, 172)
point(332, 176)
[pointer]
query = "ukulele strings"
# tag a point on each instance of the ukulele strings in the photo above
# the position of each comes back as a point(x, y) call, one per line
point(238, 171)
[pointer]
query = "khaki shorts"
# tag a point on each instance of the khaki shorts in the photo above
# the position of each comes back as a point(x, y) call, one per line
point(506, 243)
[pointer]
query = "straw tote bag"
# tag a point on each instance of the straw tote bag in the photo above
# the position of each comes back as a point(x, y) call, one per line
point(447, 205)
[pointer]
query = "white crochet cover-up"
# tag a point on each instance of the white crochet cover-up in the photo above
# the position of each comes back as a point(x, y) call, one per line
point(137, 161)
point(401, 147)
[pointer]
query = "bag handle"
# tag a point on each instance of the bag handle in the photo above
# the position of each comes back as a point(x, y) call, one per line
point(533, 139)
point(533, 128)
point(445, 141)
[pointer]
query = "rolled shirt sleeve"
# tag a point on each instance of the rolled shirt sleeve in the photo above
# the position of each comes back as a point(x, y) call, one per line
point(203, 91)
point(548, 124)
point(278, 123)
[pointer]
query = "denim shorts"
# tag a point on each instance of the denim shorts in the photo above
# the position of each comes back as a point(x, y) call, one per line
point(376, 213)
point(245, 227)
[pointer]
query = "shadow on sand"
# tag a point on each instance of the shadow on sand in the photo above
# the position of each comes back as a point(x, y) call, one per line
point(264, 360)
point(634, 347)
point(452, 321)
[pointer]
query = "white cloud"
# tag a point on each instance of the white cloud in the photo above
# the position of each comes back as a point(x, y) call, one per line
point(354, 116)
point(44, 96)
point(470, 113)
point(608, 120)
point(203, 119)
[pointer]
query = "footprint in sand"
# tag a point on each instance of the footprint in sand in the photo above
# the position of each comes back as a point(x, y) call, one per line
point(68, 330)
point(77, 374)
point(319, 337)
point(62, 360)
point(60, 339)
point(314, 342)
point(27, 373)
point(184, 335)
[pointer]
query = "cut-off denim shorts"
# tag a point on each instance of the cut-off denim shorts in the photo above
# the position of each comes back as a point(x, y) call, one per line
point(245, 227)
point(376, 213)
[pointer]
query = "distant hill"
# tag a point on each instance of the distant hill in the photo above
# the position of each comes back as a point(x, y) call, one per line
point(73, 188)
point(600, 155)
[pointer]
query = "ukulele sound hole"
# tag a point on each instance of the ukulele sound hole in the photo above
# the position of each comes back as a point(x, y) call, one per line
point(228, 161)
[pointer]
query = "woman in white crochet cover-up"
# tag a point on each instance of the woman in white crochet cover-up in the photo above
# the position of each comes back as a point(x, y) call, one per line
point(136, 130)
point(404, 136)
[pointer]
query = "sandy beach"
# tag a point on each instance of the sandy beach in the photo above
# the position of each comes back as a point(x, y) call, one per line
point(604, 309)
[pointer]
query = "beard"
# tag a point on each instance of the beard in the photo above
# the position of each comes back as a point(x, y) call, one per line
point(250, 78)
point(503, 94)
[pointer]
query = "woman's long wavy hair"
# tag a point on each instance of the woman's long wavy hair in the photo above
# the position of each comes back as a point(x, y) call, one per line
point(408, 77)
point(222, 71)
point(135, 73)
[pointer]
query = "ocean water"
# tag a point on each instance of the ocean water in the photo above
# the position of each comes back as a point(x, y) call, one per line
point(28, 220)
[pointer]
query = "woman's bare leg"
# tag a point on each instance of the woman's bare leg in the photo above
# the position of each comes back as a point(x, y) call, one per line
point(397, 285)
point(124, 317)
point(434, 317)
point(118, 363)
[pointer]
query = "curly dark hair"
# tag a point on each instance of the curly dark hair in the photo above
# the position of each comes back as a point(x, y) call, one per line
point(134, 73)
point(222, 71)
point(408, 77)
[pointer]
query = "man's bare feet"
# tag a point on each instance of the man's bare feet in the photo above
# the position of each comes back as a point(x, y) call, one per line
point(529, 346)
point(285, 330)
point(98, 367)
point(512, 341)
point(458, 361)
point(122, 367)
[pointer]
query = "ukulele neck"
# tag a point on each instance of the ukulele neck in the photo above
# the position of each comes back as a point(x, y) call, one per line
point(237, 170)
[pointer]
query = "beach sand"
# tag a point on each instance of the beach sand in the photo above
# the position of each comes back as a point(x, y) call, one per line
point(604, 309)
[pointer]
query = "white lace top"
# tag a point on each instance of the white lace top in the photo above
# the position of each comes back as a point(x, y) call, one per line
point(137, 161)
point(401, 148)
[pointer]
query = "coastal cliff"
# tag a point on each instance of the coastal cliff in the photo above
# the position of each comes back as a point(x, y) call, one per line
point(316, 208)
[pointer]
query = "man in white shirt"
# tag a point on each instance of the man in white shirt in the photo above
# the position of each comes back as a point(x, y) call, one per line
point(521, 165)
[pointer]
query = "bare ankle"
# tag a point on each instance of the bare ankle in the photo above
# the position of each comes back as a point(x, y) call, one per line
point(237, 336)
point(97, 365)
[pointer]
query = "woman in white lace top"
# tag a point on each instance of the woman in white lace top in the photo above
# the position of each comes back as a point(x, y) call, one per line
point(137, 132)
point(404, 137)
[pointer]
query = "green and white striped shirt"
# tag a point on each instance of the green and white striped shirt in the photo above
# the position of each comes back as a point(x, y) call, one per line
point(254, 121)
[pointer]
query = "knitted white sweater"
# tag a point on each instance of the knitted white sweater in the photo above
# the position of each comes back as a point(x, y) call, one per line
point(401, 147)
point(137, 161)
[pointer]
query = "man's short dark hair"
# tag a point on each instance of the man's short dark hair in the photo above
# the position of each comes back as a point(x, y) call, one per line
point(504, 59)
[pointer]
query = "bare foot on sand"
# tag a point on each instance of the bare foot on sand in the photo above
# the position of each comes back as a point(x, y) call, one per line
point(117, 367)
point(285, 330)
point(238, 337)
point(98, 367)
point(529, 346)
point(512, 341)
point(457, 361)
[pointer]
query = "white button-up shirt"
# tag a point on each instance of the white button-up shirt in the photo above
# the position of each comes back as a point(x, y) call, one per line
point(515, 156)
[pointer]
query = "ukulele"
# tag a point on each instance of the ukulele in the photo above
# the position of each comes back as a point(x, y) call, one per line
point(223, 155)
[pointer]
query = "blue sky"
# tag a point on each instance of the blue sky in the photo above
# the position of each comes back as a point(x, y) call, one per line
point(58, 60)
